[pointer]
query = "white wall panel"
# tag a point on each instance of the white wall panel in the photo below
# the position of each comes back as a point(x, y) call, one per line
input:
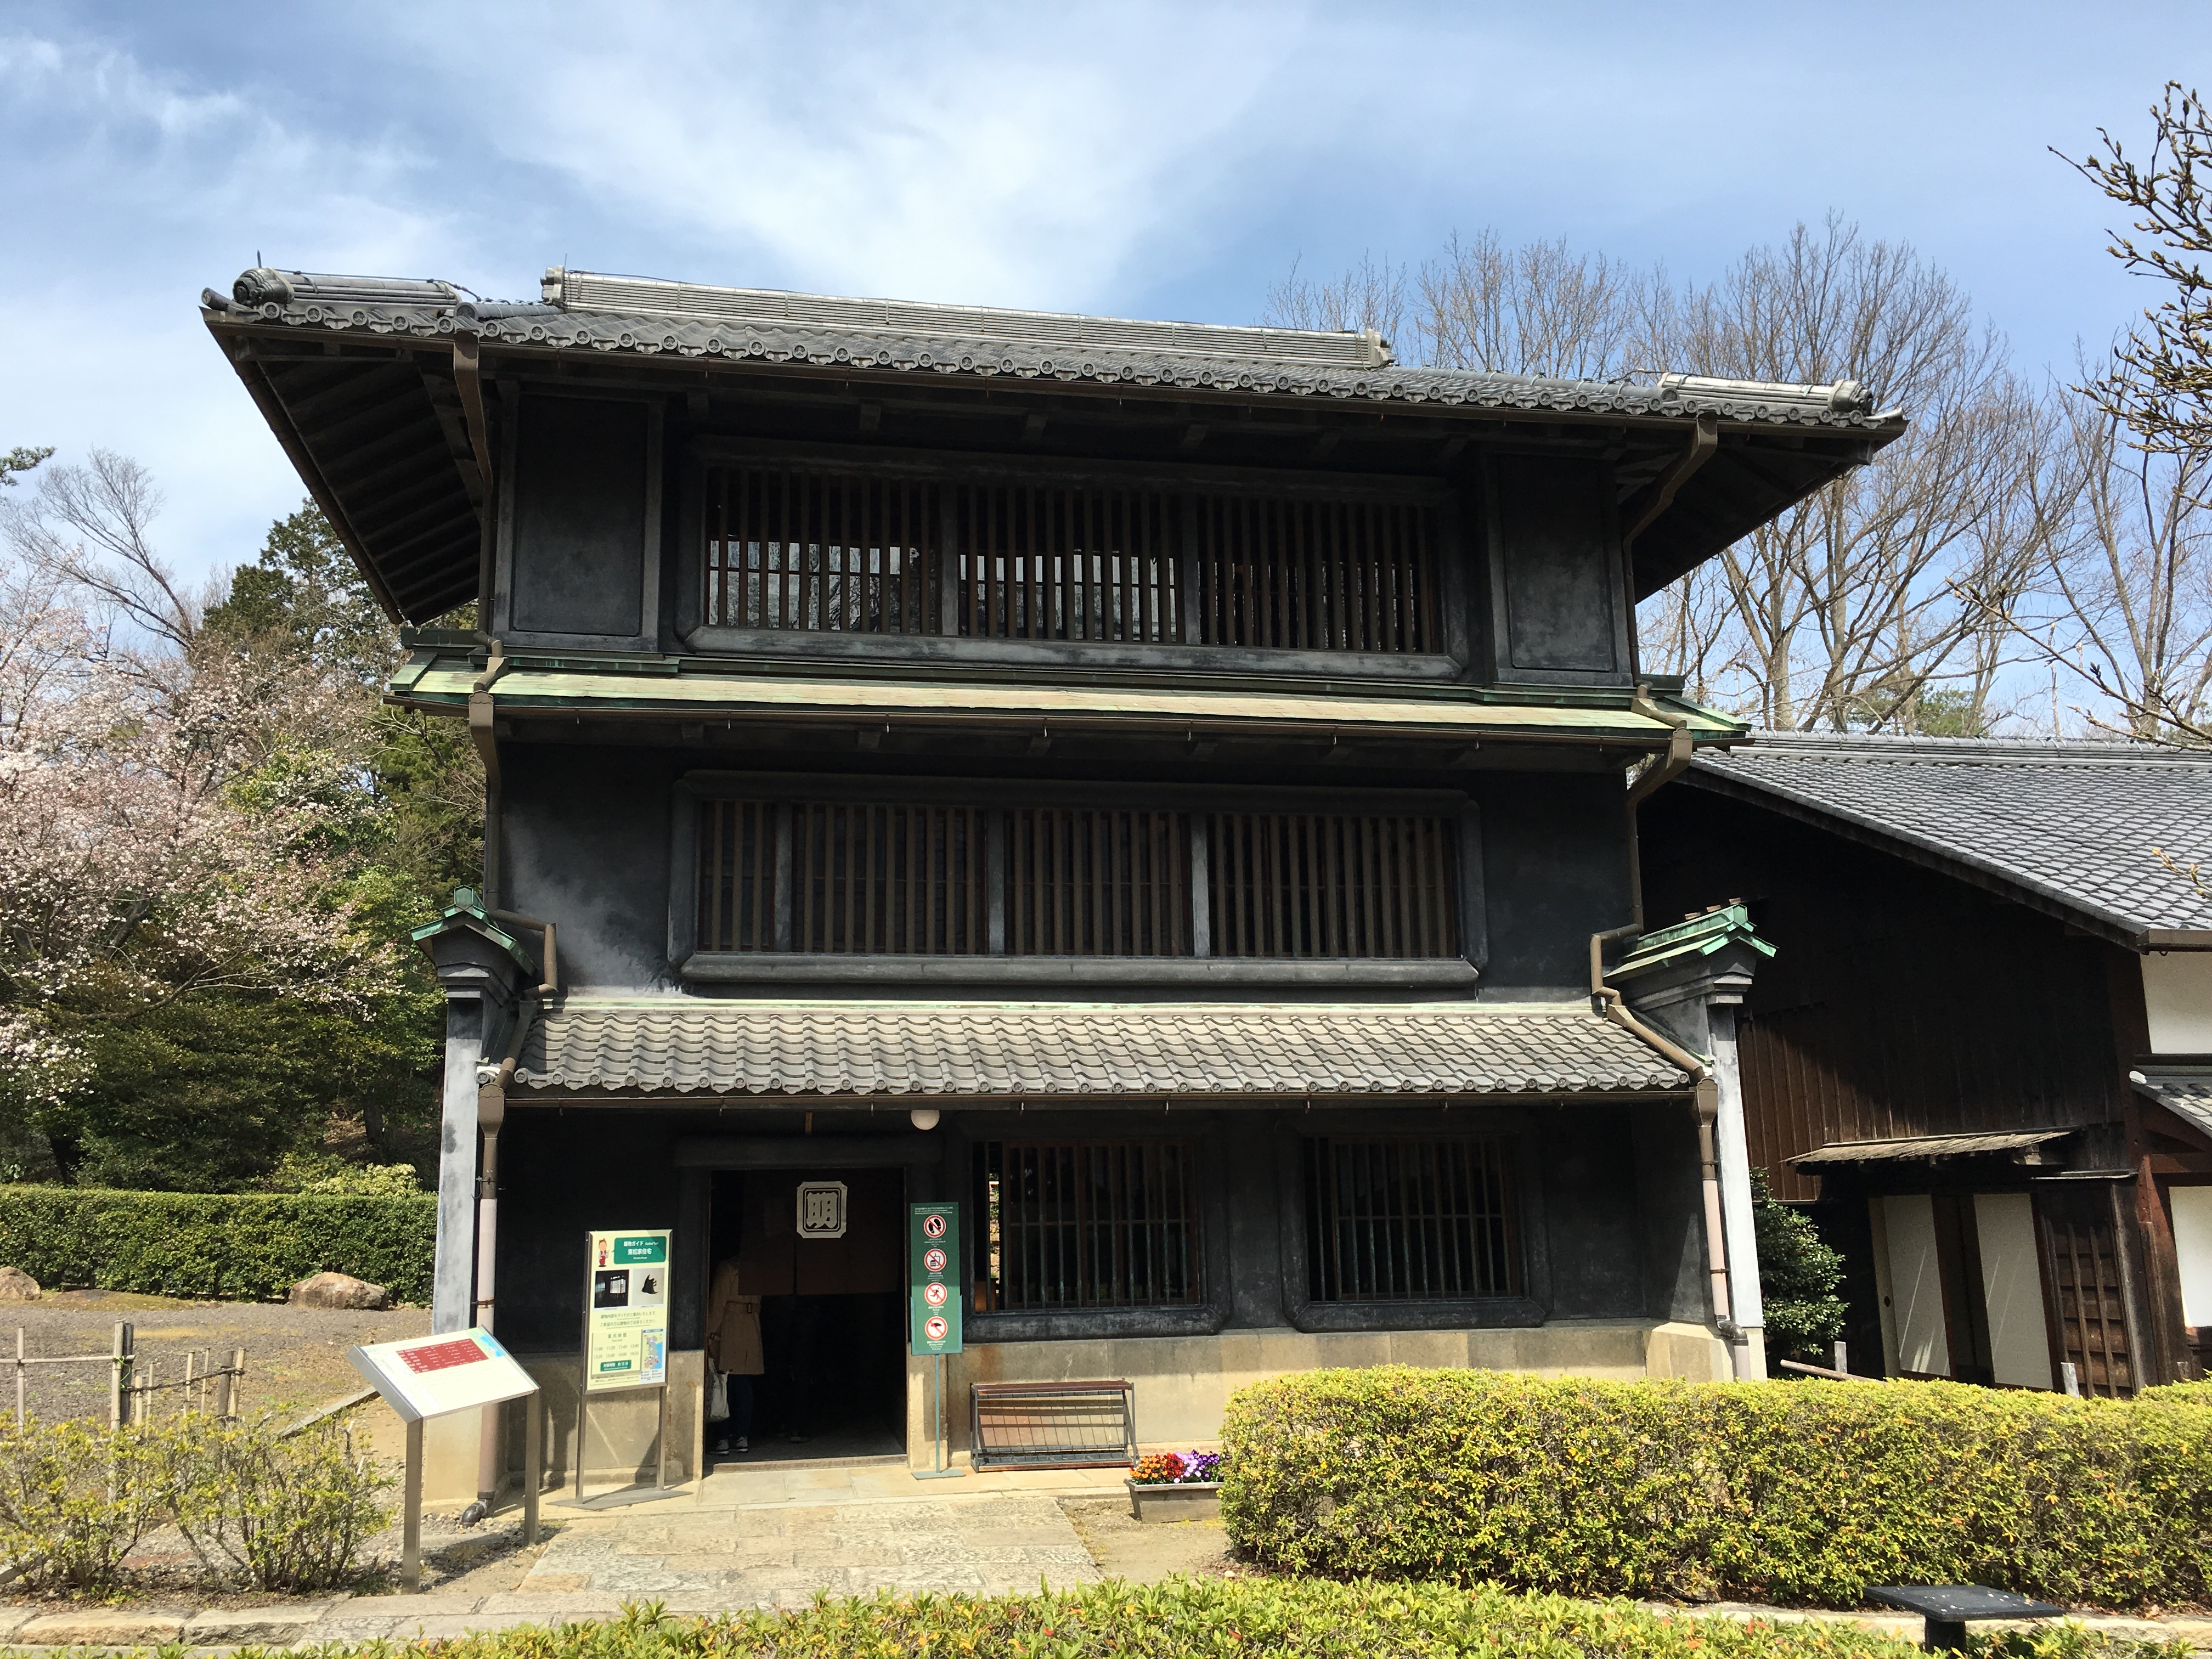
point(1916, 1285)
point(2193, 1244)
point(2178, 997)
point(2012, 1288)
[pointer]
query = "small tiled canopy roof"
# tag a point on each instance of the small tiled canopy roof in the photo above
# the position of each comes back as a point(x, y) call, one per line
point(2185, 1091)
point(2023, 1144)
point(1004, 1051)
point(2073, 829)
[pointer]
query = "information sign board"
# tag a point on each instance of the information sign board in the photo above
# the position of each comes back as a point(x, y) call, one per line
point(427, 1376)
point(626, 1311)
point(933, 1275)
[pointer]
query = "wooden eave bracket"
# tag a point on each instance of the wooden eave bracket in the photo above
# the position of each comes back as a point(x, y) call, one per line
point(468, 377)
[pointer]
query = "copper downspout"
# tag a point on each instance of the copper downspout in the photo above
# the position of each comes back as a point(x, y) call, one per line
point(1705, 1094)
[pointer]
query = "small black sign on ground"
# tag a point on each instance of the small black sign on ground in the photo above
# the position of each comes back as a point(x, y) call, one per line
point(1948, 1607)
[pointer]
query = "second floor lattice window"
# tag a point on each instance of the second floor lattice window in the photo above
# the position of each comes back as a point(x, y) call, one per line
point(1040, 878)
point(838, 878)
point(1331, 884)
point(1092, 881)
point(821, 552)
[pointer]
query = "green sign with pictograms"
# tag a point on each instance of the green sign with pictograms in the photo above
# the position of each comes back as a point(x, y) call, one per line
point(933, 1259)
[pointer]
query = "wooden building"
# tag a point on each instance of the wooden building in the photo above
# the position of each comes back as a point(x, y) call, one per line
point(1154, 784)
point(1982, 1050)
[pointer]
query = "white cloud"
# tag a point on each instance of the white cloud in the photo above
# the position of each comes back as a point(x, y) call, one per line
point(962, 154)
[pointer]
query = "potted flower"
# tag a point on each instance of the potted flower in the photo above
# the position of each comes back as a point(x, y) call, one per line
point(1175, 1486)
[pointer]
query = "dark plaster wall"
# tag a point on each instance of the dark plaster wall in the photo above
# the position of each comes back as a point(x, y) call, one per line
point(580, 498)
point(1555, 538)
point(586, 842)
point(1613, 1224)
point(1555, 856)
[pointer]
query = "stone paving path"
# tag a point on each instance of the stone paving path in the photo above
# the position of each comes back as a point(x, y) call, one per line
point(781, 1555)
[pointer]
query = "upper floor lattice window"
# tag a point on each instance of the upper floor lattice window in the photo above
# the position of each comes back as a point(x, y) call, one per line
point(804, 547)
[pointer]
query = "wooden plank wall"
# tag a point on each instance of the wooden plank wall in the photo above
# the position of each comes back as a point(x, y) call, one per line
point(1901, 1002)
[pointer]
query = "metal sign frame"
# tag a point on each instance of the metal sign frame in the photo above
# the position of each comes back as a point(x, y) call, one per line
point(933, 1328)
point(619, 1282)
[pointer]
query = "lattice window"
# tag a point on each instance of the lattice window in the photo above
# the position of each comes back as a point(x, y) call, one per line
point(1402, 1219)
point(821, 552)
point(2082, 1245)
point(1317, 575)
point(1329, 885)
point(888, 879)
point(737, 875)
point(1086, 1224)
point(1059, 561)
point(1091, 881)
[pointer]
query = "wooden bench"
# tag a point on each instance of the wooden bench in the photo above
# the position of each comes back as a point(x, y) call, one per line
point(1052, 1426)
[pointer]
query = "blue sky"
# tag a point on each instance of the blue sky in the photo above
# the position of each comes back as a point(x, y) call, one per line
point(1137, 159)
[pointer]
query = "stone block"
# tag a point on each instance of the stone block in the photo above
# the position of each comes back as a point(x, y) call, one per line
point(341, 1291)
point(97, 1627)
point(16, 1286)
point(265, 1627)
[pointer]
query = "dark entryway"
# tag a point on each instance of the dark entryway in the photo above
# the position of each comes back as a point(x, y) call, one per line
point(831, 1327)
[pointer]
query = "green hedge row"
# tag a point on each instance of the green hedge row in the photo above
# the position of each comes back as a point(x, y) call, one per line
point(234, 1247)
point(1184, 1619)
point(1795, 1492)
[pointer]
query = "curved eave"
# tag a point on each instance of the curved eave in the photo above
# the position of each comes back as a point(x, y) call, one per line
point(408, 514)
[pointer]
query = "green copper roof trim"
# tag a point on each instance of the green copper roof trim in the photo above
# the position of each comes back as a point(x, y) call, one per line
point(647, 684)
point(466, 913)
point(1702, 935)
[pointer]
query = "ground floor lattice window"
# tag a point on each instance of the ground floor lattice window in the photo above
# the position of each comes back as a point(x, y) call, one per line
point(1075, 1225)
point(1407, 1220)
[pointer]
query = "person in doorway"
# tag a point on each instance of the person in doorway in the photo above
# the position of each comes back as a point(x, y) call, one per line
point(733, 1348)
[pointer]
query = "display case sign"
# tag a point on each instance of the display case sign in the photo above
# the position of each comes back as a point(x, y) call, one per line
point(424, 1377)
point(626, 1318)
point(933, 1273)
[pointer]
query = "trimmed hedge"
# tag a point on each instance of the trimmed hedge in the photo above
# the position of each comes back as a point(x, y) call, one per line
point(1791, 1493)
point(232, 1246)
point(1181, 1619)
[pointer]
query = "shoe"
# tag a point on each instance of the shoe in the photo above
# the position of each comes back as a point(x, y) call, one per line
point(743, 1445)
point(722, 1448)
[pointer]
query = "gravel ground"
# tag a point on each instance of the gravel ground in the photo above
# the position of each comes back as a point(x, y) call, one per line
point(294, 1357)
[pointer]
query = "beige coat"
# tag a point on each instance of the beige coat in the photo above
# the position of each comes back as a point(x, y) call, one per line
point(734, 1331)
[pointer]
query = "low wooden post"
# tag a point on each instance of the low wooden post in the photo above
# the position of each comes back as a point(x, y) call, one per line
point(410, 1536)
point(235, 1375)
point(119, 1375)
point(533, 1462)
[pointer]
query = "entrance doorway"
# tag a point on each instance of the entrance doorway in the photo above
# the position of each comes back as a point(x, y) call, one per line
point(832, 1333)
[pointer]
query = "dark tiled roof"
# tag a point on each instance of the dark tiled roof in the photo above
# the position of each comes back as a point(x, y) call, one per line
point(2069, 827)
point(431, 309)
point(1032, 1051)
point(2186, 1092)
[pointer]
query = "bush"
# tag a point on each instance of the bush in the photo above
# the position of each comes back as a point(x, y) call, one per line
point(291, 1515)
point(288, 1514)
point(231, 1246)
point(1803, 1492)
point(1180, 1618)
point(74, 1499)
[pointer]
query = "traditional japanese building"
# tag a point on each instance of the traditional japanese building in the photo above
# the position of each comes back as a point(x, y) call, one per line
point(1982, 1052)
point(1163, 788)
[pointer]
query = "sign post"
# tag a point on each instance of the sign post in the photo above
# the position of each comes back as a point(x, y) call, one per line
point(427, 1376)
point(625, 1332)
point(933, 1307)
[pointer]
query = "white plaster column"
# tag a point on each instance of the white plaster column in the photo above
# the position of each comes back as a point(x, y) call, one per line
point(1745, 1305)
point(452, 1296)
